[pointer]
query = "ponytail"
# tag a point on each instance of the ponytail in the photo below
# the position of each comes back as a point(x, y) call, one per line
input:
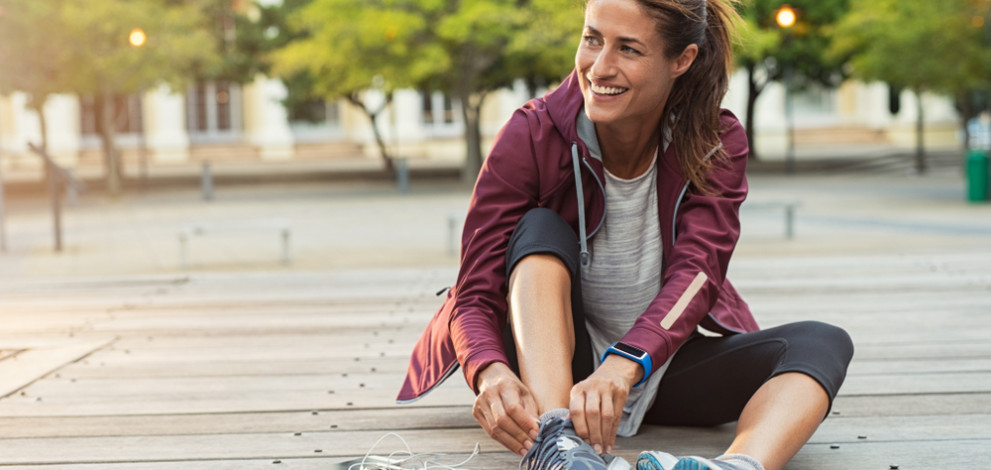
point(696, 97)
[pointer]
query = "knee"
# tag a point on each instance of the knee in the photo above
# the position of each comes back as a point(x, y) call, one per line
point(830, 341)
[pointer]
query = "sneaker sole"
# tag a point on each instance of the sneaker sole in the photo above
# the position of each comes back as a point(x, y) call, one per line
point(690, 464)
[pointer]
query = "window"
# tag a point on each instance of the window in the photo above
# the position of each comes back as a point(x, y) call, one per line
point(214, 111)
point(126, 115)
point(441, 114)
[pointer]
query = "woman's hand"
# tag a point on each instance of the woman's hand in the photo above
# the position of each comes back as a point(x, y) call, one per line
point(505, 408)
point(597, 402)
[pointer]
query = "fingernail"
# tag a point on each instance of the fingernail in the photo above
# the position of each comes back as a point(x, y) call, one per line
point(527, 445)
point(533, 434)
point(609, 450)
point(598, 449)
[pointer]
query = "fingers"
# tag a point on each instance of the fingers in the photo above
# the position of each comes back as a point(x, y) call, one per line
point(596, 411)
point(508, 416)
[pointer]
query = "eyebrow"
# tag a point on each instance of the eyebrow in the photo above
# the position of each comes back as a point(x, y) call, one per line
point(623, 39)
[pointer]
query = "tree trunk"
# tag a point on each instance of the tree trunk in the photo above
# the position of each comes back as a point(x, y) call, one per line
point(373, 118)
point(471, 110)
point(965, 110)
point(920, 153)
point(112, 167)
point(753, 91)
point(43, 121)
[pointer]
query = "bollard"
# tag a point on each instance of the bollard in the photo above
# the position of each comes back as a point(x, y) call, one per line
point(402, 174)
point(977, 176)
point(206, 182)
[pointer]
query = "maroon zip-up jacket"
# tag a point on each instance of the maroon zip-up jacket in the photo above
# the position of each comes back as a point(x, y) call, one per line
point(531, 165)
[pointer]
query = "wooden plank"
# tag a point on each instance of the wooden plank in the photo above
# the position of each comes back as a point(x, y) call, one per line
point(393, 418)
point(22, 369)
point(221, 400)
point(911, 405)
point(701, 441)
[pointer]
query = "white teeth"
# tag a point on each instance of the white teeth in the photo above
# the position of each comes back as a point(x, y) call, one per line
point(605, 90)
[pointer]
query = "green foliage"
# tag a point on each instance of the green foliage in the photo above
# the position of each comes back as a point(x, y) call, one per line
point(102, 61)
point(466, 48)
point(81, 46)
point(345, 44)
point(803, 47)
point(918, 44)
point(30, 56)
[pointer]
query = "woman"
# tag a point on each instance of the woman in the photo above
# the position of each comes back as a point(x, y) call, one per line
point(596, 246)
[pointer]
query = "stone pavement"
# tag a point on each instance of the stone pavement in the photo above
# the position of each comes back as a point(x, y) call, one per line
point(336, 225)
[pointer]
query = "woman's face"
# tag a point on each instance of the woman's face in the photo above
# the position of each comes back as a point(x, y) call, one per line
point(625, 76)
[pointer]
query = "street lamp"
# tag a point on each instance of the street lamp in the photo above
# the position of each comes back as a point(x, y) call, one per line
point(137, 37)
point(786, 17)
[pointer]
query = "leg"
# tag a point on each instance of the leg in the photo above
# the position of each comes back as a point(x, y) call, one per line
point(540, 316)
point(546, 340)
point(778, 383)
point(779, 419)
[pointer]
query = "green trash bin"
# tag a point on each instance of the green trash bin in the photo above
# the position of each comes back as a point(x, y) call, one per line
point(977, 176)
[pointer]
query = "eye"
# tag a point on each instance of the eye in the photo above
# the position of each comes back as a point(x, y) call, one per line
point(591, 40)
point(630, 50)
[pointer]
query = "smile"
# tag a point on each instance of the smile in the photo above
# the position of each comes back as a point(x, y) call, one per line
point(605, 90)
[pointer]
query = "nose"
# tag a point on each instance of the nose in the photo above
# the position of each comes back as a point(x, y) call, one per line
point(604, 65)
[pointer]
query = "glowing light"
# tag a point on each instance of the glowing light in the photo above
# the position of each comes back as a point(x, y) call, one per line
point(137, 37)
point(786, 16)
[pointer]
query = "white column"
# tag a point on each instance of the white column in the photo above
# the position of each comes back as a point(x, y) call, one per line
point(64, 130)
point(266, 122)
point(165, 125)
point(406, 107)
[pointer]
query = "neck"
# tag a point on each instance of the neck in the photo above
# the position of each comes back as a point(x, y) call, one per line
point(627, 154)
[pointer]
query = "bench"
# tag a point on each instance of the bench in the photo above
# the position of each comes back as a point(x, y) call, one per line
point(787, 206)
point(186, 233)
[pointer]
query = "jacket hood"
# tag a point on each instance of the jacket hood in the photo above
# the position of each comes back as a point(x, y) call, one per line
point(563, 104)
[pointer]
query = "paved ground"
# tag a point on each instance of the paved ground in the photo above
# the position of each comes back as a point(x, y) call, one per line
point(370, 225)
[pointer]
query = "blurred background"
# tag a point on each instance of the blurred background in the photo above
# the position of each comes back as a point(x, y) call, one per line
point(112, 104)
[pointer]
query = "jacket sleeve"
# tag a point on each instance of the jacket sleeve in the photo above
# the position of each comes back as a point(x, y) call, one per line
point(707, 227)
point(507, 187)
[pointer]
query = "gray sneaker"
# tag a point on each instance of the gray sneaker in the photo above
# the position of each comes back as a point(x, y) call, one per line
point(558, 447)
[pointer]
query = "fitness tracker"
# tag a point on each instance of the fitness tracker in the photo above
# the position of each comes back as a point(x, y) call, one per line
point(632, 353)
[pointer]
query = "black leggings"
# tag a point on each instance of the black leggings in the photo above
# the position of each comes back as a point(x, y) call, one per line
point(710, 379)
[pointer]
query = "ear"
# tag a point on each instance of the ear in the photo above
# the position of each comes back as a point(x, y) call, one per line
point(684, 60)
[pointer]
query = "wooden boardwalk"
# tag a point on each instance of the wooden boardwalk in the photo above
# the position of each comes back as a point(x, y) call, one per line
point(300, 369)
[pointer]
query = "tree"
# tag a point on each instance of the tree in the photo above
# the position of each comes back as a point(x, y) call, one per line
point(767, 51)
point(919, 45)
point(82, 47)
point(465, 49)
point(31, 55)
point(492, 43)
point(347, 47)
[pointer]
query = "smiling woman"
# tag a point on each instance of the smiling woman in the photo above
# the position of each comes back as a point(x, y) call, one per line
point(595, 248)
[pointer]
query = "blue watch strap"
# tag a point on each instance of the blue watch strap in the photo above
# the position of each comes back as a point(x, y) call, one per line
point(632, 353)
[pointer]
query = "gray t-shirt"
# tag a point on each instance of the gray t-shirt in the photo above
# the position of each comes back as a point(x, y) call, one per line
point(625, 272)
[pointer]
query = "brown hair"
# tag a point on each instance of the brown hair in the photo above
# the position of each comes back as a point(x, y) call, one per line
point(696, 95)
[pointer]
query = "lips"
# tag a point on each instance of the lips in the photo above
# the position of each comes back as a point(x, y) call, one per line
point(607, 90)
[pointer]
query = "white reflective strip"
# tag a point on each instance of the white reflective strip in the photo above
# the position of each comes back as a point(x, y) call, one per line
point(684, 300)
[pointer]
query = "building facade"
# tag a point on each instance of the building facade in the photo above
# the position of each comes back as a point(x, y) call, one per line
point(230, 123)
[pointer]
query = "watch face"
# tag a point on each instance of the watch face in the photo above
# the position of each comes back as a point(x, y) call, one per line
point(626, 348)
